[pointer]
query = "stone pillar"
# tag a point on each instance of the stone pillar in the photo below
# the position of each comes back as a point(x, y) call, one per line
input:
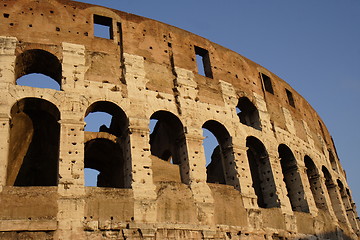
point(245, 179)
point(197, 177)
point(308, 196)
point(139, 163)
point(337, 204)
point(73, 66)
point(4, 147)
point(7, 75)
point(350, 212)
point(7, 59)
point(71, 203)
point(142, 176)
point(280, 185)
point(326, 197)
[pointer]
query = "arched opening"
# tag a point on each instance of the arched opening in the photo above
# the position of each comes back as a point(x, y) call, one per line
point(34, 143)
point(38, 68)
point(292, 179)
point(248, 113)
point(315, 184)
point(222, 166)
point(107, 146)
point(167, 142)
point(334, 195)
point(261, 173)
point(350, 213)
point(333, 161)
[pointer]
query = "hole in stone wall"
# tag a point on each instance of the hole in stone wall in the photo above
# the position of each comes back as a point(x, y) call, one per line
point(221, 168)
point(203, 62)
point(248, 113)
point(290, 98)
point(292, 179)
point(261, 173)
point(105, 153)
point(38, 80)
point(267, 83)
point(333, 161)
point(103, 27)
point(39, 68)
point(315, 187)
point(6, 15)
point(167, 141)
point(34, 140)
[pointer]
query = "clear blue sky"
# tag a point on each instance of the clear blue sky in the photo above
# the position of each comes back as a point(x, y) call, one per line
point(313, 45)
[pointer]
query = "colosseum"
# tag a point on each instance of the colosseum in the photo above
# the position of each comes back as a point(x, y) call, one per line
point(274, 173)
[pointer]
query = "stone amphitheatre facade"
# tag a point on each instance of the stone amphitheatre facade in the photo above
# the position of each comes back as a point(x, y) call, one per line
point(274, 175)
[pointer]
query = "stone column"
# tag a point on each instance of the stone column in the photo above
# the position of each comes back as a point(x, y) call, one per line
point(245, 179)
point(71, 203)
point(7, 76)
point(4, 147)
point(326, 197)
point(280, 185)
point(7, 59)
point(197, 177)
point(337, 204)
point(142, 176)
point(308, 196)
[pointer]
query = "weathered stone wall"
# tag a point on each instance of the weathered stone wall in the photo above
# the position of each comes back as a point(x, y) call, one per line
point(274, 175)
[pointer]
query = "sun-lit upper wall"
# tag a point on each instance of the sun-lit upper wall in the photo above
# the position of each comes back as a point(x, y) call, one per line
point(53, 22)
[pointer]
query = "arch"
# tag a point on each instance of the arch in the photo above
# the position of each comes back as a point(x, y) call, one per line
point(222, 166)
point(167, 141)
point(333, 161)
point(34, 143)
point(37, 61)
point(107, 150)
point(334, 195)
point(261, 173)
point(119, 122)
point(350, 210)
point(292, 179)
point(248, 113)
point(315, 183)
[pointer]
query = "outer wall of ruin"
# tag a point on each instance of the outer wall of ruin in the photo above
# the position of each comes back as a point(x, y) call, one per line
point(274, 175)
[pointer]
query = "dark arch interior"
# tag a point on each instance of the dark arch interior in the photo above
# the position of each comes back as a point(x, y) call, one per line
point(167, 136)
point(292, 179)
point(111, 166)
point(261, 173)
point(167, 142)
point(34, 143)
point(315, 184)
point(40, 62)
point(248, 113)
point(222, 167)
point(332, 161)
point(107, 155)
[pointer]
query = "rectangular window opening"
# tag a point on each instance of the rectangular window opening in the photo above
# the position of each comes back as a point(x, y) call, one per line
point(290, 98)
point(103, 27)
point(267, 83)
point(203, 62)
